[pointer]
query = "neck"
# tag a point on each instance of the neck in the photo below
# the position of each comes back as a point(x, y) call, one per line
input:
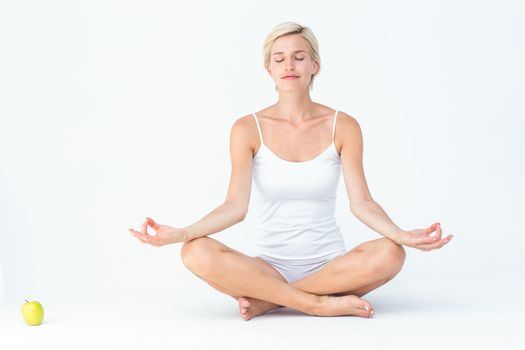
point(294, 106)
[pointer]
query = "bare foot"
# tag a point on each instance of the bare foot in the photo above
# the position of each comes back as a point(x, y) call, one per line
point(343, 305)
point(251, 308)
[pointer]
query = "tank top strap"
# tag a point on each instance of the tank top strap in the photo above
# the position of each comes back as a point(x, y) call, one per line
point(258, 127)
point(333, 127)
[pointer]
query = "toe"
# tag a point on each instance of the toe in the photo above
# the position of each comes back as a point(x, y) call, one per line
point(367, 306)
point(362, 312)
point(366, 309)
point(244, 306)
point(244, 302)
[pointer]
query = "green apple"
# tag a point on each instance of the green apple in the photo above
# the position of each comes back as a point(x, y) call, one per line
point(33, 313)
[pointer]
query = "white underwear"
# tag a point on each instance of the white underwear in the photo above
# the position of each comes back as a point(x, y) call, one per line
point(293, 270)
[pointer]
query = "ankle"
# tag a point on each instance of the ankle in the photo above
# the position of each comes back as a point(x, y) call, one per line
point(318, 304)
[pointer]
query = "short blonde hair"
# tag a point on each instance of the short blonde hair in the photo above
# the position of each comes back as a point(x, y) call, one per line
point(289, 28)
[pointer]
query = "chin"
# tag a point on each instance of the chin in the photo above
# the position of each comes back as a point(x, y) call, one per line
point(292, 88)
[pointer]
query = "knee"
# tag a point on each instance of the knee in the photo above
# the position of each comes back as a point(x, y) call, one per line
point(390, 257)
point(196, 254)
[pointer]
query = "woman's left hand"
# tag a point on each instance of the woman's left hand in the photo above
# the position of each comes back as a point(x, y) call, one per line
point(420, 238)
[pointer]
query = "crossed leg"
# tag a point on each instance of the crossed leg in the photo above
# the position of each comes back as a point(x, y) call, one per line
point(364, 268)
point(361, 270)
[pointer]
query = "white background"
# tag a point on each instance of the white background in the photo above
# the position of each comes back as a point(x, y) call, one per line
point(111, 111)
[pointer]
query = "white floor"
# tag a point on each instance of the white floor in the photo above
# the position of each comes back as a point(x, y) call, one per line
point(408, 316)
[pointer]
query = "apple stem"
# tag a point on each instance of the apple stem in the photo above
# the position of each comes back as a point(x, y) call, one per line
point(26, 301)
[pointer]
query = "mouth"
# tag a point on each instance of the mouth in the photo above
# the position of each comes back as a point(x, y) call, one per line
point(290, 77)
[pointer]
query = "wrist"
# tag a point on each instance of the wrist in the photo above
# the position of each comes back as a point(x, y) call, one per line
point(186, 235)
point(398, 236)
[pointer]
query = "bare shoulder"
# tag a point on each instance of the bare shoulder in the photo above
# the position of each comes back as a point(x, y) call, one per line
point(245, 126)
point(245, 121)
point(244, 132)
point(348, 131)
point(241, 165)
point(346, 121)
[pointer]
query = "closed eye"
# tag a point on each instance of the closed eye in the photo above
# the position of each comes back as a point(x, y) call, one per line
point(298, 59)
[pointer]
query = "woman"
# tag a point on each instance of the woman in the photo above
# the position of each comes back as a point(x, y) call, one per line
point(302, 261)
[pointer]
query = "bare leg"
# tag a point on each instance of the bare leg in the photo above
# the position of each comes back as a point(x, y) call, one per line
point(249, 307)
point(361, 270)
point(358, 272)
point(240, 275)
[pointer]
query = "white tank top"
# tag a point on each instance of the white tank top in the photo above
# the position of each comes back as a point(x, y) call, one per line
point(296, 204)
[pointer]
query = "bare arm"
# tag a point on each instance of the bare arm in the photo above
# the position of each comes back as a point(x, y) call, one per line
point(363, 206)
point(372, 215)
point(235, 207)
point(222, 217)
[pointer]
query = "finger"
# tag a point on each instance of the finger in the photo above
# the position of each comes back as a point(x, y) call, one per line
point(144, 228)
point(427, 238)
point(424, 234)
point(432, 240)
point(435, 245)
point(135, 233)
point(430, 229)
point(138, 235)
point(152, 223)
point(144, 237)
point(439, 232)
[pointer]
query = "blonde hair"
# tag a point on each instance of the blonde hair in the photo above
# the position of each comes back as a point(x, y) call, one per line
point(289, 28)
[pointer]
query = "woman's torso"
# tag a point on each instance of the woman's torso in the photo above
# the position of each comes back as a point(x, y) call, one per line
point(296, 172)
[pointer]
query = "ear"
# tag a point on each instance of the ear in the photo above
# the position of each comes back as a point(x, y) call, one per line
point(267, 68)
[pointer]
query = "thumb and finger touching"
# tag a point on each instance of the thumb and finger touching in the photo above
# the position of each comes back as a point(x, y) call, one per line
point(435, 242)
point(143, 235)
point(152, 223)
point(425, 237)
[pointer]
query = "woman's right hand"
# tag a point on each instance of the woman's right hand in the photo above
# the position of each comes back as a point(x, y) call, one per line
point(164, 234)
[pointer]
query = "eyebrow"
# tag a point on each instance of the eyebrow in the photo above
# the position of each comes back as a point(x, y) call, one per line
point(275, 53)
